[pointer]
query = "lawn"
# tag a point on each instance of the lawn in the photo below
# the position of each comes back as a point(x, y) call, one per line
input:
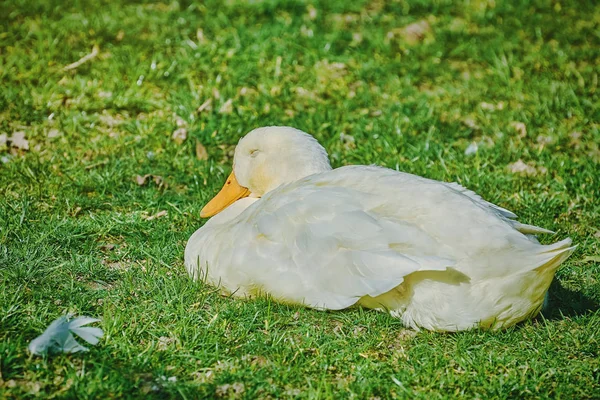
point(94, 96)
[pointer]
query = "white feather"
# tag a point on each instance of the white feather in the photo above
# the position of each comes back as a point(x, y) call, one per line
point(58, 337)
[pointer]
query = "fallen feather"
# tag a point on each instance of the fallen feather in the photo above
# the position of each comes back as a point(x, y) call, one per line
point(58, 337)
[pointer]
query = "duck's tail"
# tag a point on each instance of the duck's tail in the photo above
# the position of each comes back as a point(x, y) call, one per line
point(523, 294)
point(554, 255)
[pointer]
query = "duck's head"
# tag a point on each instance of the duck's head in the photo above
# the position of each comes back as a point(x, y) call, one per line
point(266, 158)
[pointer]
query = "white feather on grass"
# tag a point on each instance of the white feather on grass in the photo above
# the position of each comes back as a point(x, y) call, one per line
point(58, 337)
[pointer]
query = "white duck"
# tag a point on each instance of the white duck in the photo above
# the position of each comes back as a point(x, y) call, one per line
point(433, 254)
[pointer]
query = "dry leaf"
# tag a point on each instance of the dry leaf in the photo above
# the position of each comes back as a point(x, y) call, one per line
point(206, 106)
point(164, 342)
point(227, 107)
point(597, 234)
point(520, 128)
point(487, 106)
point(230, 391)
point(157, 215)
point(576, 135)
point(470, 123)
point(110, 120)
point(203, 376)
point(521, 168)
point(116, 265)
point(18, 140)
point(52, 133)
point(141, 180)
point(357, 38)
point(413, 33)
point(347, 141)
point(84, 59)
point(200, 36)
point(158, 180)
point(544, 140)
point(179, 135)
point(107, 247)
point(471, 149)
point(587, 259)
point(201, 153)
point(3, 140)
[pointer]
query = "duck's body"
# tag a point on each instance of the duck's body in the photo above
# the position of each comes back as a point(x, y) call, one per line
point(432, 253)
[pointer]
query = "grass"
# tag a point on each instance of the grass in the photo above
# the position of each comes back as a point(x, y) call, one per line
point(520, 81)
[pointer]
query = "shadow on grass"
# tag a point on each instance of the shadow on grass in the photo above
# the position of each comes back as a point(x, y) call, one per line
point(565, 302)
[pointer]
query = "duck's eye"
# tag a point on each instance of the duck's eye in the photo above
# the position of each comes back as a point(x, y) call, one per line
point(253, 153)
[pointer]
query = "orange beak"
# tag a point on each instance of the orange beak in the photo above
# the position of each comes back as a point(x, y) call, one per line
point(229, 194)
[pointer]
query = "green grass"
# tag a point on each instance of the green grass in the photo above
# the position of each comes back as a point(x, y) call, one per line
point(327, 68)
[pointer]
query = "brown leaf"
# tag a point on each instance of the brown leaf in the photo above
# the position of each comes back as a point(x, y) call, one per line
point(52, 133)
point(164, 342)
point(203, 376)
point(227, 107)
point(179, 135)
point(587, 259)
point(520, 128)
point(141, 180)
point(234, 390)
point(347, 141)
point(597, 234)
point(471, 123)
point(158, 180)
point(200, 36)
point(3, 140)
point(413, 33)
point(206, 106)
point(108, 247)
point(545, 140)
point(84, 59)
point(201, 153)
point(18, 140)
point(520, 168)
point(157, 215)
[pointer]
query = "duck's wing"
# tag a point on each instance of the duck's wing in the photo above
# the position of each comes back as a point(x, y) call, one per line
point(479, 200)
point(501, 212)
point(319, 245)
